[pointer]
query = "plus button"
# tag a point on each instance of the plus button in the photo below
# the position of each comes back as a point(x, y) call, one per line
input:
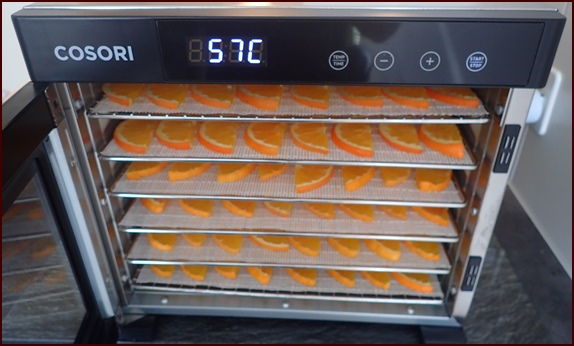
point(429, 61)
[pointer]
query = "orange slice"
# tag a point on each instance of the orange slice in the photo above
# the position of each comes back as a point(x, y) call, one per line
point(345, 277)
point(262, 275)
point(155, 205)
point(367, 96)
point(346, 247)
point(436, 215)
point(270, 170)
point(426, 250)
point(176, 134)
point(195, 272)
point(402, 137)
point(310, 137)
point(201, 208)
point(315, 96)
point(139, 170)
point(386, 249)
point(240, 208)
point(230, 172)
point(214, 95)
point(306, 277)
point(417, 282)
point(269, 242)
point(166, 95)
point(416, 97)
point(359, 211)
point(309, 246)
point(229, 272)
point(135, 136)
point(229, 243)
point(444, 138)
point(353, 138)
point(455, 96)
point(163, 270)
point(186, 170)
point(162, 241)
point(432, 179)
point(393, 176)
point(195, 240)
point(323, 210)
point(378, 279)
point(356, 177)
point(218, 136)
point(282, 209)
point(396, 211)
point(123, 93)
point(265, 138)
point(308, 178)
point(266, 97)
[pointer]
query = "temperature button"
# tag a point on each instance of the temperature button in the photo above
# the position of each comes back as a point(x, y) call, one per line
point(476, 61)
point(338, 60)
point(384, 60)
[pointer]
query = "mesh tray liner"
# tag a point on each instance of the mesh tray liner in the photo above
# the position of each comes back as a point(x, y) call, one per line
point(251, 253)
point(301, 220)
point(283, 186)
point(35, 285)
point(282, 282)
point(23, 260)
point(289, 152)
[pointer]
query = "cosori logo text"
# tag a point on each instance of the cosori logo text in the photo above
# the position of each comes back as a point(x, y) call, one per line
point(91, 53)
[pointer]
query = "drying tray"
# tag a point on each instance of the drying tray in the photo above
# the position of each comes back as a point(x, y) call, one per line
point(282, 188)
point(302, 222)
point(21, 226)
point(22, 261)
point(141, 252)
point(281, 284)
point(383, 154)
point(34, 285)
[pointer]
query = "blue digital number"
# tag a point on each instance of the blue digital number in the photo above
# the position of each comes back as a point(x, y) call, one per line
point(215, 50)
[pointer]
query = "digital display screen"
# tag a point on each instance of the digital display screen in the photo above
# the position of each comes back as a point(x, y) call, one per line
point(226, 51)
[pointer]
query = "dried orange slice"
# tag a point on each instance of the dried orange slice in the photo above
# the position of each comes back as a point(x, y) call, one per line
point(195, 272)
point(265, 138)
point(186, 170)
point(393, 176)
point(162, 241)
point(230, 172)
point(346, 247)
point(219, 137)
point(229, 272)
point(138, 170)
point(309, 178)
point(359, 211)
point(408, 96)
point(214, 95)
point(402, 137)
point(166, 95)
point(201, 208)
point(432, 179)
point(426, 250)
point(155, 205)
point(230, 243)
point(396, 211)
point(269, 242)
point(436, 215)
point(135, 136)
point(282, 209)
point(455, 96)
point(240, 208)
point(306, 277)
point(353, 138)
point(315, 96)
point(176, 134)
point(309, 246)
point(123, 93)
point(378, 279)
point(165, 271)
point(444, 138)
point(417, 282)
point(386, 249)
point(345, 277)
point(266, 97)
point(262, 275)
point(323, 210)
point(367, 96)
point(195, 240)
point(270, 170)
point(356, 177)
point(310, 137)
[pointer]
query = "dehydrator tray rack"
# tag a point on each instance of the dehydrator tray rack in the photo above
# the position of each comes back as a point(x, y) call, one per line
point(141, 252)
point(283, 286)
point(301, 223)
point(383, 155)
